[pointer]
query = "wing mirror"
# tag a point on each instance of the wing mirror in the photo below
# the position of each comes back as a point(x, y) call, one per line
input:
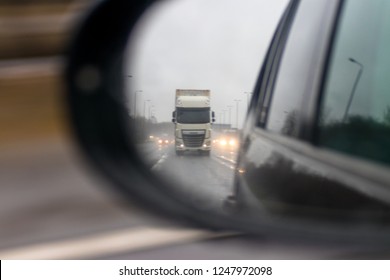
point(115, 68)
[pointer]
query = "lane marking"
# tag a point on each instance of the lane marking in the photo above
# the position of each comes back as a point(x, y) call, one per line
point(158, 164)
point(227, 159)
point(103, 244)
point(229, 163)
point(220, 161)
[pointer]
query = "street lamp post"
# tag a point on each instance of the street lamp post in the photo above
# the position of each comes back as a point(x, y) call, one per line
point(354, 87)
point(144, 119)
point(247, 98)
point(135, 102)
point(146, 101)
point(230, 115)
point(237, 101)
point(150, 107)
point(152, 114)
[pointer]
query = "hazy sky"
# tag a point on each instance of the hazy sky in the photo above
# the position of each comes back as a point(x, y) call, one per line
point(200, 44)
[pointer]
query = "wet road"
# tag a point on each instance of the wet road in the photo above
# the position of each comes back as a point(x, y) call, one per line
point(204, 181)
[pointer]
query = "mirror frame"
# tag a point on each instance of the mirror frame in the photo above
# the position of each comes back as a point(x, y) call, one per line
point(94, 78)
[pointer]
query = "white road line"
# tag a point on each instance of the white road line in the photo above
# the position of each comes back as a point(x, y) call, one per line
point(121, 241)
point(158, 164)
point(225, 162)
point(228, 159)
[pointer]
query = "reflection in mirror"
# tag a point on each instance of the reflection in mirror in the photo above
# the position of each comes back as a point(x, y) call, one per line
point(193, 66)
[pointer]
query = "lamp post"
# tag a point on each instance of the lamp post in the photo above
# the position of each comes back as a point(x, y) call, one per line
point(230, 115)
point(152, 115)
point(135, 102)
point(354, 86)
point(146, 101)
point(247, 98)
point(237, 101)
point(150, 108)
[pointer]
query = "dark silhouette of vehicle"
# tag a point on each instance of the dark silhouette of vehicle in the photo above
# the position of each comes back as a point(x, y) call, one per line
point(316, 139)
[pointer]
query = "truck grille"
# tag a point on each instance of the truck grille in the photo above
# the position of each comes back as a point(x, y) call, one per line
point(193, 139)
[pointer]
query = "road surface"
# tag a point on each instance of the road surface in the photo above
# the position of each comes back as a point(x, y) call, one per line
point(201, 180)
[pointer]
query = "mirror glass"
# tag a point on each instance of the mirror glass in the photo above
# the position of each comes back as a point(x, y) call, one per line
point(192, 65)
point(190, 74)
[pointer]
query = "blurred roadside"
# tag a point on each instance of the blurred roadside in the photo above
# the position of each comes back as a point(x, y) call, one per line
point(33, 39)
point(45, 192)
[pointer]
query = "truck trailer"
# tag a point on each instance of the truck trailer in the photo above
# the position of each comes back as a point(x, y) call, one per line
point(192, 118)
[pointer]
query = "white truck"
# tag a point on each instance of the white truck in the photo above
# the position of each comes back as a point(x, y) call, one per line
point(192, 118)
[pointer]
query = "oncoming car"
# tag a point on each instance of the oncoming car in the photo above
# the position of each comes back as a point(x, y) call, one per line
point(227, 140)
point(164, 140)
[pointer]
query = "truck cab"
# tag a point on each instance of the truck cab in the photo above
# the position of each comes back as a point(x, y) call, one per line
point(193, 119)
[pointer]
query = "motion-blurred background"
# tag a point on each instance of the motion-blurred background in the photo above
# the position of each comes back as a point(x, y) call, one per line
point(46, 192)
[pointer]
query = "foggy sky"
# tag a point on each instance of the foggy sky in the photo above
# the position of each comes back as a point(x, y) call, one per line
point(200, 44)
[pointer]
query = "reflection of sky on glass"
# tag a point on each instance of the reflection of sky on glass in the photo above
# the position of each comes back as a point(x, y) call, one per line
point(365, 35)
point(201, 44)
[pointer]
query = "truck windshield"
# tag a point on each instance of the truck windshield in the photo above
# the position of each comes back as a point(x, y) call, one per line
point(193, 115)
